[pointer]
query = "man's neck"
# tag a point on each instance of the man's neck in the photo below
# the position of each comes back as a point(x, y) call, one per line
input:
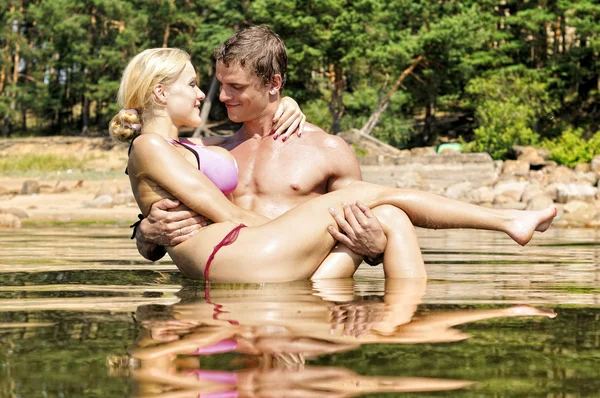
point(260, 127)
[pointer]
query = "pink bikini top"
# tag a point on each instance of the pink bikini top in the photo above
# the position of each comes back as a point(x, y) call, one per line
point(219, 169)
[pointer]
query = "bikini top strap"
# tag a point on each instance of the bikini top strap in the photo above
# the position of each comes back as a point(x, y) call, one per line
point(129, 150)
point(188, 147)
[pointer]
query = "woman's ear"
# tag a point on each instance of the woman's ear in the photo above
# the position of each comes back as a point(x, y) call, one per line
point(275, 85)
point(160, 94)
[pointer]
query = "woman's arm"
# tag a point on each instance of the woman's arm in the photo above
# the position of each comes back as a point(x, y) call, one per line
point(152, 157)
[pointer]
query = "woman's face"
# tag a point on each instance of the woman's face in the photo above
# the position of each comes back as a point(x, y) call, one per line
point(183, 98)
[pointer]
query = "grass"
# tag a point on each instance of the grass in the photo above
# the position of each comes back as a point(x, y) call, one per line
point(40, 163)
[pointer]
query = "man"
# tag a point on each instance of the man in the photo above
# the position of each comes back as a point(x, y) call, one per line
point(275, 177)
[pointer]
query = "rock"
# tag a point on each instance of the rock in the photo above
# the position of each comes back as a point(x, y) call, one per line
point(568, 192)
point(552, 191)
point(61, 189)
point(515, 168)
point(4, 191)
point(539, 202)
point(512, 190)
point(538, 177)
point(30, 187)
point(529, 150)
point(102, 201)
point(16, 212)
point(424, 151)
point(458, 191)
point(479, 195)
point(8, 220)
point(562, 174)
point(586, 178)
point(512, 205)
point(531, 191)
point(410, 179)
point(123, 198)
point(576, 205)
point(531, 156)
point(595, 164)
point(104, 192)
point(579, 214)
point(583, 168)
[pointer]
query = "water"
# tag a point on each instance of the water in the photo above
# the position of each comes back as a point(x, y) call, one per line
point(82, 315)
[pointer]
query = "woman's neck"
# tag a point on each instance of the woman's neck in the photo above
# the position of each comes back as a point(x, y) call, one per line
point(161, 125)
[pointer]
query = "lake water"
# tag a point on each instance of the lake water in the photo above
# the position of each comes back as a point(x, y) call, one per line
point(82, 315)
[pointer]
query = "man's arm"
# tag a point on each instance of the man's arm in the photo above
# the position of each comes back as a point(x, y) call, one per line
point(359, 228)
point(167, 224)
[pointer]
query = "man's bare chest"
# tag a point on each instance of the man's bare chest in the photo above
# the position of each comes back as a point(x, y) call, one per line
point(270, 169)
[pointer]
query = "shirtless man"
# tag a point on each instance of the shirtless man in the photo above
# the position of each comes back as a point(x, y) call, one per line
point(275, 176)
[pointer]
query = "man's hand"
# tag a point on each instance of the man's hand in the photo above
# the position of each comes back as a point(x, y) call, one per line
point(166, 225)
point(359, 230)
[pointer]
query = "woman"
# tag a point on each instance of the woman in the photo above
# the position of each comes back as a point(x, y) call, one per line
point(159, 95)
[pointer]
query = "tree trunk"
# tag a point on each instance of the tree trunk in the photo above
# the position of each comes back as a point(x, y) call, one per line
point(166, 36)
point(336, 104)
point(383, 104)
point(212, 92)
point(85, 115)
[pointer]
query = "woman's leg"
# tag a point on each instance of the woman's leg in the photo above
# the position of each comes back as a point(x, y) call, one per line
point(402, 254)
point(293, 245)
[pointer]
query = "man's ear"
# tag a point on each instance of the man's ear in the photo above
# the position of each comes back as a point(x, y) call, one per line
point(275, 85)
point(160, 94)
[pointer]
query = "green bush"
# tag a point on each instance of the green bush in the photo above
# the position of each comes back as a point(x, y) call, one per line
point(507, 106)
point(570, 148)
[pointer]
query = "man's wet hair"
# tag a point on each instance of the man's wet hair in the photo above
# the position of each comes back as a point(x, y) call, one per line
point(257, 48)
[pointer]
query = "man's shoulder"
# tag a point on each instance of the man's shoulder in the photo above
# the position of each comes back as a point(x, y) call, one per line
point(322, 139)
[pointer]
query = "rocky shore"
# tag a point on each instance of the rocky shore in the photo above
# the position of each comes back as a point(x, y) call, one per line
point(529, 182)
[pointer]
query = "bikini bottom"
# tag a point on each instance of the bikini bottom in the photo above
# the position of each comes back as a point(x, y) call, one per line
point(227, 240)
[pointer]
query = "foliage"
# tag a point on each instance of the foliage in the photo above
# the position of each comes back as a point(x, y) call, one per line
point(571, 148)
point(522, 70)
point(507, 107)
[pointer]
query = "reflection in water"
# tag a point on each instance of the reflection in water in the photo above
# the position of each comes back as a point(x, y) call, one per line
point(277, 328)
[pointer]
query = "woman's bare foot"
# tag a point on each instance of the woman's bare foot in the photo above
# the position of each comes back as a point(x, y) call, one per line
point(524, 223)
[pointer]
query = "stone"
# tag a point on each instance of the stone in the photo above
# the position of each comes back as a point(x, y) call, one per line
point(61, 189)
point(423, 151)
point(510, 189)
point(8, 220)
point(479, 195)
point(586, 177)
point(579, 214)
point(538, 177)
point(104, 192)
point(515, 168)
point(20, 213)
point(458, 191)
point(123, 198)
point(100, 202)
point(562, 174)
point(531, 156)
point(531, 191)
point(512, 205)
point(595, 164)
point(30, 187)
point(539, 202)
point(583, 168)
point(552, 190)
point(568, 192)
point(576, 205)
point(4, 191)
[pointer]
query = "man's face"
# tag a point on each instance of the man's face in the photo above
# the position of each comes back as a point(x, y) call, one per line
point(244, 94)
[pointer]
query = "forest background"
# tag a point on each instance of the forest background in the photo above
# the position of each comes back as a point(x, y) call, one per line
point(487, 73)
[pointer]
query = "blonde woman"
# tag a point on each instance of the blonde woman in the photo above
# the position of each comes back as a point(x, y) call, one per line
point(159, 94)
